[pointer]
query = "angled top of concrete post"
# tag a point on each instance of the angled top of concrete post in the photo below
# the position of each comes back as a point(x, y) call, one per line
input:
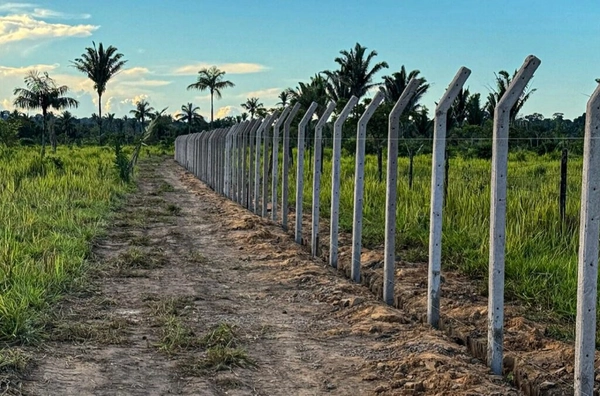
point(326, 114)
point(293, 113)
point(346, 111)
point(518, 84)
point(406, 96)
point(452, 90)
point(283, 117)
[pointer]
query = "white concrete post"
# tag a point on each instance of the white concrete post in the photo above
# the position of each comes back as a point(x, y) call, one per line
point(249, 174)
point(244, 138)
point(300, 169)
point(359, 174)
point(254, 137)
point(266, 150)
point(314, 240)
point(587, 274)
point(227, 153)
point(268, 121)
point(335, 180)
point(286, 166)
point(498, 212)
point(275, 160)
point(240, 160)
point(437, 195)
point(389, 263)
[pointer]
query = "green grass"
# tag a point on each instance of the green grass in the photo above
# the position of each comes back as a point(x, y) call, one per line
point(50, 211)
point(541, 251)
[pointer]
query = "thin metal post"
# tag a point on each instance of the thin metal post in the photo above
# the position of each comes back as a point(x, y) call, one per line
point(286, 166)
point(335, 180)
point(437, 195)
point(495, 348)
point(389, 266)
point(314, 240)
point(359, 174)
point(587, 274)
point(275, 160)
point(300, 169)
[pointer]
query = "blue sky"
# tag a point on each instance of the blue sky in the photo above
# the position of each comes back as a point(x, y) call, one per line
point(268, 46)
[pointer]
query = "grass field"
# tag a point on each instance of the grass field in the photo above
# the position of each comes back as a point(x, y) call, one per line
point(541, 251)
point(50, 211)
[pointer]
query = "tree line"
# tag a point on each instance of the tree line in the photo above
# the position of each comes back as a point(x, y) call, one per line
point(469, 120)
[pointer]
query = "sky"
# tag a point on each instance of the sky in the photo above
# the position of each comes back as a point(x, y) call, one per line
point(267, 46)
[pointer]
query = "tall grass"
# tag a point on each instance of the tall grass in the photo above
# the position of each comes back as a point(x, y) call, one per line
point(541, 251)
point(50, 210)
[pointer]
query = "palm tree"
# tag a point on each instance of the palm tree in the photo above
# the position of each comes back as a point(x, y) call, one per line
point(356, 71)
point(41, 92)
point(189, 113)
point(315, 91)
point(100, 65)
point(394, 86)
point(503, 80)
point(253, 106)
point(142, 112)
point(211, 79)
point(475, 114)
point(284, 98)
point(66, 123)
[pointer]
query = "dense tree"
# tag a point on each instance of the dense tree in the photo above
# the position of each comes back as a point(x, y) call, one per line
point(212, 80)
point(100, 65)
point(253, 106)
point(42, 93)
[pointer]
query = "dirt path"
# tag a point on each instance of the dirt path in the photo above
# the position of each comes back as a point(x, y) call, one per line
point(193, 295)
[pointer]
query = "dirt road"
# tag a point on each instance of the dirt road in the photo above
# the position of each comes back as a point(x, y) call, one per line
point(193, 295)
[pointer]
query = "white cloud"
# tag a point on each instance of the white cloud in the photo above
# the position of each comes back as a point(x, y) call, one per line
point(23, 71)
point(14, 28)
point(227, 111)
point(231, 68)
point(51, 14)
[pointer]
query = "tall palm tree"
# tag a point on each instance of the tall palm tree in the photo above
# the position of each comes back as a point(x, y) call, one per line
point(503, 80)
point(394, 86)
point(356, 71)
point(189, 113)
point(253, 106)
point(142, 111)
point(211, 79)
point(100, 65)
point(41, 92)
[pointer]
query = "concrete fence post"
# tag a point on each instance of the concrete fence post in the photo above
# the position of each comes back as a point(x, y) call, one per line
point(359, 173)
point(314, 240)
point(495, 349)
point(437, 195)
point(335, 180)
point(257, 155)
point(255, 166)
point(389, 266)
point(227, 153)
point(587, 274)
point(266, 151)
point(250, 170)
point(240, 161)
point(286, 166)
point(275, 161)
point(244, 184)
point(300, 169)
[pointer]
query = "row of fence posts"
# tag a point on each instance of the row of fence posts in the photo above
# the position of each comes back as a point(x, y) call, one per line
point(229, 160)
